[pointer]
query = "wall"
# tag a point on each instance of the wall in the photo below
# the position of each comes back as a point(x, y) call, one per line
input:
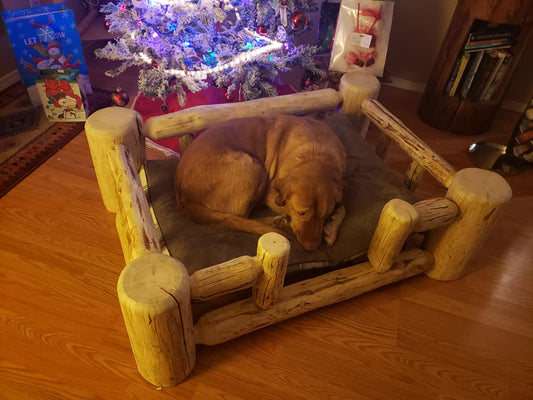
point(418, 28)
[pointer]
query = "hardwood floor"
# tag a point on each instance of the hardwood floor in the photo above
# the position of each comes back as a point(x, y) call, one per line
point(62, 335)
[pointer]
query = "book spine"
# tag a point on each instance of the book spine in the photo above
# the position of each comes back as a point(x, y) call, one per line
point(471, 73)
point(501, 57)
point(487, 46)
point(483, 73)
point(498, 77)
point(455, 80)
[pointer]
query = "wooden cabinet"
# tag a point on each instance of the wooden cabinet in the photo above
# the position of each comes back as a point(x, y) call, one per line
point(454, 113)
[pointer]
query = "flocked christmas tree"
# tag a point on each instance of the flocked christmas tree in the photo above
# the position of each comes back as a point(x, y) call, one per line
point(240, 45)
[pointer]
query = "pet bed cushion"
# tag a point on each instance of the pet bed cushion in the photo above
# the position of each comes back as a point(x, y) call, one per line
point(370, 183)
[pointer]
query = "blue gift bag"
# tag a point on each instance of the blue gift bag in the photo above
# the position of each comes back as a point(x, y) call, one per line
point(44, 38)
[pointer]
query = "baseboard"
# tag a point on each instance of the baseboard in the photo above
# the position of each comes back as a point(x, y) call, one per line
point(405, 84)
point(509, 105)
point(9, 79)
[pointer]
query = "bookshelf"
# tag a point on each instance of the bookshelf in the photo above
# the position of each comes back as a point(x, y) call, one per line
point(455, 109)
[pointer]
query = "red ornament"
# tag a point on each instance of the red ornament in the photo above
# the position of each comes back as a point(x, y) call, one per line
point(299, 21)
point(229, 96)
point(120, 97)
point(262, 30)
point(154, 63)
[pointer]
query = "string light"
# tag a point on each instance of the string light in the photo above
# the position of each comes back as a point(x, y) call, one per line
point(237, 61)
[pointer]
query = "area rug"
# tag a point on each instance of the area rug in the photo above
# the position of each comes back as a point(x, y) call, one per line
point(27, 138)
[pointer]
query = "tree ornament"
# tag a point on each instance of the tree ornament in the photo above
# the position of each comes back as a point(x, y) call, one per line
point(283, 12)
point(120, 97)
point(299, 21)
point(229, 96)
point(154, 63)
point(262, 30)
point(164, 108)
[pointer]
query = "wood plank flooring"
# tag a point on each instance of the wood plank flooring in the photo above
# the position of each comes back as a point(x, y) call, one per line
point(62, 334)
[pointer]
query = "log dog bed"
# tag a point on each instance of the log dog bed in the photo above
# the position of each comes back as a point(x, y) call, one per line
point(185, 285)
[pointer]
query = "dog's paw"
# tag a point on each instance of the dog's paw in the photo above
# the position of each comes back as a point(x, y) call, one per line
point(281, 222)
point(332, 225)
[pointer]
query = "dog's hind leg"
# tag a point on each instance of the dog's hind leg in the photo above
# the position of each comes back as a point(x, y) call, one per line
point(206, 215)
point(228, 194)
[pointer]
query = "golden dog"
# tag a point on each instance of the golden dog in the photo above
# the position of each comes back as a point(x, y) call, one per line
point(294, 165)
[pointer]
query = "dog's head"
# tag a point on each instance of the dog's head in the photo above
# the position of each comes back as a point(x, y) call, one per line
point(309, 198)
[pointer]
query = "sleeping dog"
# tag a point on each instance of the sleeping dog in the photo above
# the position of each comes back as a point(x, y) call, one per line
point(294, 165)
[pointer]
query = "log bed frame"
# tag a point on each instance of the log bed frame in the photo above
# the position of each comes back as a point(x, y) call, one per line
point(156, 293)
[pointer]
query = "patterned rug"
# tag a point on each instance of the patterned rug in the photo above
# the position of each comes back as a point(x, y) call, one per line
point(27, 138)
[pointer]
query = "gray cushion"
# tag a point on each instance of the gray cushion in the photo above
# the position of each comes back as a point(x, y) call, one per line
point(370, 184)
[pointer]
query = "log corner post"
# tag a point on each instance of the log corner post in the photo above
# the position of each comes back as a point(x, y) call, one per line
point(154, 295)
point(273, 253)
point(105, 129)
point(357, 87)
point(481, 196)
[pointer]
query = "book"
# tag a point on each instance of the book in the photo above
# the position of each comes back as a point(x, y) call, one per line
point(501, 54)
point(475, 60)
point(498, 77)
point(482, 30)
point(45, 37)
point(457, 74)
point(486, 67)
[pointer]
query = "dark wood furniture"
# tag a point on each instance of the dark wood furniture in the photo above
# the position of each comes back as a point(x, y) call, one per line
point(453, 113)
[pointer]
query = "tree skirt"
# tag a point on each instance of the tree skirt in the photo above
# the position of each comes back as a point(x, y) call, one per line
point(29, 138)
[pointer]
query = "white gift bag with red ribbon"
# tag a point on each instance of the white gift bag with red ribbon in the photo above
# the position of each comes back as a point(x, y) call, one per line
point(362, 36)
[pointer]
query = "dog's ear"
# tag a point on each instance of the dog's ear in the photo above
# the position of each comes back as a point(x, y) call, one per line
point(279, 186)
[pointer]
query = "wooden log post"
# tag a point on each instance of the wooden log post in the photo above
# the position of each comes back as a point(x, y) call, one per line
point(273, 253)
point(357, 87)
point(413, 176)
point(153, 291)
point(395, 224)
point(400, 219)
point(481, 196)
point(105, 129)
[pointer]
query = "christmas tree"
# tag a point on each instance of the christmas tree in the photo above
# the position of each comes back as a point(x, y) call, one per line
point(181, 45)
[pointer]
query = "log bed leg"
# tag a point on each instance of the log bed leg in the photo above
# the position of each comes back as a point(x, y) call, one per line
point(481, 196)
point(105, 129)
point(395, 224)
point(355, 88)
point(273, 253)
point(154, 295)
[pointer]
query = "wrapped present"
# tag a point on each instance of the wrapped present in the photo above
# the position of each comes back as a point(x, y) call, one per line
point(62, 98)
point(42, 38)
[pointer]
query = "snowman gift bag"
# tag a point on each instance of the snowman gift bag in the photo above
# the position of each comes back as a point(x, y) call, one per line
point(44, 38)
point(362, 36)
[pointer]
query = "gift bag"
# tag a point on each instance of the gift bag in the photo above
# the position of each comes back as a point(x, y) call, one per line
point(42, 38)
point(362, 36)
point(61, 95)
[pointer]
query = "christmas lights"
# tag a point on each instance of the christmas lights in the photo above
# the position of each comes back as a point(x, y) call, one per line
point(187, 44)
